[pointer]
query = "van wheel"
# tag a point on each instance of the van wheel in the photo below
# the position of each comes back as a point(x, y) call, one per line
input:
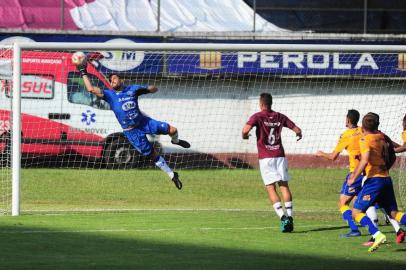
point(5, 154)
point(119, 154)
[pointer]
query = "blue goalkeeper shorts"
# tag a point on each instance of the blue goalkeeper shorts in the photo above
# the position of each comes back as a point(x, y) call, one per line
point(138, 135)
point(354, 189)
point(377, 190)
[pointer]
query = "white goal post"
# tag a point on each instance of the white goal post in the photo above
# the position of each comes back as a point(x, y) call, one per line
point(268, 61)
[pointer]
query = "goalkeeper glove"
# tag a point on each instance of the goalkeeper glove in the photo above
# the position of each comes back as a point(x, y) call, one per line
point(82, 69)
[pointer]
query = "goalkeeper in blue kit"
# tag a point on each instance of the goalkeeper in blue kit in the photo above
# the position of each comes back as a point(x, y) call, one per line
point(123, 100)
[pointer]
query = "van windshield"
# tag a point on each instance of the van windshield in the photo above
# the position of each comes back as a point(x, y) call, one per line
point(78, 94)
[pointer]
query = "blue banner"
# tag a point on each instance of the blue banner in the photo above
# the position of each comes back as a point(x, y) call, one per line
point(241, 63)
point(289, 63)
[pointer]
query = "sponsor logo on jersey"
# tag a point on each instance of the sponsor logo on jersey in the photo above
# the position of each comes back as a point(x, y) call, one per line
point(132, 115)
point(272, 124)
point(129, 105)
point(124, 99)
point(272, 147)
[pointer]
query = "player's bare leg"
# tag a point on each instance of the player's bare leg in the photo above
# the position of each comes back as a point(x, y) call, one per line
point(287, 198)
point(276, 203)
point(173, 133)
point(275, 199)
point(161, 163)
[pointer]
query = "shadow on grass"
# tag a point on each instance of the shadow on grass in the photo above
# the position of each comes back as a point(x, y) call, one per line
point(322, 229)
point(34, 248)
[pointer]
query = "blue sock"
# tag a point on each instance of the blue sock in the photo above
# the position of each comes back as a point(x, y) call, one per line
point(401, 218)
point(364, 220)
point(347, 215)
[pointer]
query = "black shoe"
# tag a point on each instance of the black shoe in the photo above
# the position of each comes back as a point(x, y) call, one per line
point(284, 223)
point(182, 143)
point(291, 223)
point(176, 181)
point(289, 226)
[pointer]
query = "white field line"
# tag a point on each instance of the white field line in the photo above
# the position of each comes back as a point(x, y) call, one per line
point(160, 229)
point(115, 210)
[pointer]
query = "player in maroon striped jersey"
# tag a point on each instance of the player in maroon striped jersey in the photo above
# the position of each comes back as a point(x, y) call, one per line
point(272, 161)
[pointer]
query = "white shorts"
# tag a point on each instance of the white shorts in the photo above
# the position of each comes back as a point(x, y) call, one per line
point(274, 170)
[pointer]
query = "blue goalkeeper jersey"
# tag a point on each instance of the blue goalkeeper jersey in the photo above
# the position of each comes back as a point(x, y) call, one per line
point(125, 104)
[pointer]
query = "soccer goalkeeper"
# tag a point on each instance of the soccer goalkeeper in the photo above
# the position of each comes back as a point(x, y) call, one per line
point(123, 100)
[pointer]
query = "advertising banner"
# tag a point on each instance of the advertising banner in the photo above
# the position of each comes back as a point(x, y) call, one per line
point(289, 63)
point(239, 63)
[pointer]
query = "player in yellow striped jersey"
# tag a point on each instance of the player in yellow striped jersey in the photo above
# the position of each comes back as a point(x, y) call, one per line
point(349, 140)
point(378, 187)
point(402, 148)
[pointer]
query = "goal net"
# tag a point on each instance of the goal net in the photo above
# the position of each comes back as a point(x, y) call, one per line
point(74, 156)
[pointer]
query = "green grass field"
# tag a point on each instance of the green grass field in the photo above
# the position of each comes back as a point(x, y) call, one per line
point(137, 219)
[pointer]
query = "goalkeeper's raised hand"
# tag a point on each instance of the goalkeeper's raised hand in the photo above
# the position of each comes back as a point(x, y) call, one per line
point(82, 68)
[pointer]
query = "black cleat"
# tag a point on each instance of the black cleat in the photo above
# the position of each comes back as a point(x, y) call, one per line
point(284, 224)
point(176, 181)
point(182, 143)
point(289, 226)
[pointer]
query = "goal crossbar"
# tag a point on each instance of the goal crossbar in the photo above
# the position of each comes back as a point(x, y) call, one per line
point(212, 46)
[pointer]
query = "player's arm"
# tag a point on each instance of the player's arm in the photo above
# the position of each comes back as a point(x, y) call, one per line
point(360, 168)
point(298, 132)
point(395, 144)
point(399, 148)
point(150, 89)
point(245, 131)
point(341, 145)
point(291, 125)
point(330, 156)
point(88, 84)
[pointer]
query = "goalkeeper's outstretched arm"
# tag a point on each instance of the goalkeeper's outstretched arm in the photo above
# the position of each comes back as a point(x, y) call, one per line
point(88, 84)
point(150, 89)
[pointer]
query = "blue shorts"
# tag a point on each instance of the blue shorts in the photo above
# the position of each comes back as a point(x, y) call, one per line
point(138, 135)
point(354, 189)
point(377, 190)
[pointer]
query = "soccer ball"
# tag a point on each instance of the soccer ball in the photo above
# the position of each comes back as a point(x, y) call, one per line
point(78, 58)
